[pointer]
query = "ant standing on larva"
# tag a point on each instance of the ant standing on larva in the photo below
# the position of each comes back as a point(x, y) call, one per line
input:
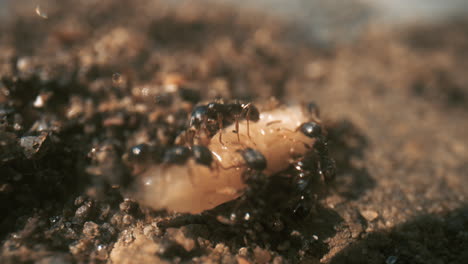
point(214, 116)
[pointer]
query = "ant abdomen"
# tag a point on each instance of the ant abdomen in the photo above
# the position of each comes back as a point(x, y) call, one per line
point(202, 155)
point(254, 159)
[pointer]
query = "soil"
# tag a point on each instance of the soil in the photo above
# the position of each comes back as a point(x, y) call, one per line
point(78, 90)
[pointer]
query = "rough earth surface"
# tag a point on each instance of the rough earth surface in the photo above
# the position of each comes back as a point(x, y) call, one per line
point(82, 86)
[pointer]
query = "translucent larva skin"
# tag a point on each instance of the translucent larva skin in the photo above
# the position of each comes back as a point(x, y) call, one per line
point(193, 188)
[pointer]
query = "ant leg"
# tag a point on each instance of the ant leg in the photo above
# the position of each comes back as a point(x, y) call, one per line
point(186, 137)
point(190, 136)
point(307, 146)
point(275, 122)
point(237, 128)
point(248, 126)
point(247, 117)
point(230, 167)
point(220, 123)
point(190, 172)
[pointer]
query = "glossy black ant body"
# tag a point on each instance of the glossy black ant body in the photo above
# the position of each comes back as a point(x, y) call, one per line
point(301, 184)
point(327, 165)
point(179, 155)
point(202, 155)
point(139, 152)
point(176, 155)
point(254, 159)
point(215, 116)
point(244, 211)
point(311, 129)
point(143, 153)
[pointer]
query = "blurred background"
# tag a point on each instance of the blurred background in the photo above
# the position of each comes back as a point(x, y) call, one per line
point(334, 20)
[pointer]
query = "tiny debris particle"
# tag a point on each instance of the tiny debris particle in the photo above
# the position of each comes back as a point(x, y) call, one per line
point(178, 235)
point(116, 78)
point(83, 211)
point(369, 215)
point(41, 99)
point(40, 12)
point(243, 251)
point(91, 229)
point(101, 252)
point(33, 145)
point(261, 255)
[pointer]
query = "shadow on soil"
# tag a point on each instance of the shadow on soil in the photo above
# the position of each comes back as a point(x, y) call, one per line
point(426, 239)
point(347, 145)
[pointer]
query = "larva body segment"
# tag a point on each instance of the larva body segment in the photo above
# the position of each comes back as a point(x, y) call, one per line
point(193, 188)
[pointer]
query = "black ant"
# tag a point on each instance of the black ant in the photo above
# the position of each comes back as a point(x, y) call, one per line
point(311, 129)
point(327, 165)
point(179, 155)
point(253, 177)
point(306, 175)
point(302, 189)
point(142, 154)
point(216, 115)
point(202, 155)
point(254, 159)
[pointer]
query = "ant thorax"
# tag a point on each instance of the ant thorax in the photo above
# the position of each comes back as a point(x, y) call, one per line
point(194, 187)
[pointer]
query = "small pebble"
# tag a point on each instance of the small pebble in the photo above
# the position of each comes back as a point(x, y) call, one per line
point(369, 215)
point(262, 255)
point(91, 229)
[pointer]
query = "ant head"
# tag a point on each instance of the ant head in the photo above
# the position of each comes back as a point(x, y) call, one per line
point(198, 115)
point(144, 152)
point(138, 152)
point(252, 112)
point(202, 155)
point(176, 155)
point(311, 129)
point(254, 159)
